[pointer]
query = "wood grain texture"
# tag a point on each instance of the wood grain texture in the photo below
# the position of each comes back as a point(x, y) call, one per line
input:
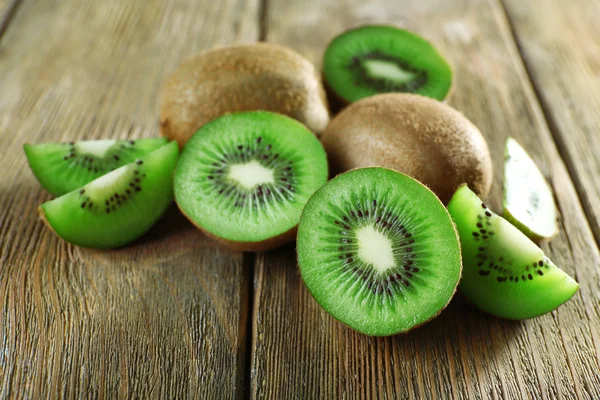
point(301, 352)
point(559, 43)
point(7, 11)
point(165, 317)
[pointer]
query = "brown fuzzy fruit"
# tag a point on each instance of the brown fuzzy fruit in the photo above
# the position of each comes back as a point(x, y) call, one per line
point(418, 136)
point(245, 77)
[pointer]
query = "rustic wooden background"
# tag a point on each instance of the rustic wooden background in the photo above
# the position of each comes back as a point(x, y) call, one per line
point(175, 315)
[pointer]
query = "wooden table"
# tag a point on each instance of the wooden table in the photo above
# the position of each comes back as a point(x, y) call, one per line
point(175, 315)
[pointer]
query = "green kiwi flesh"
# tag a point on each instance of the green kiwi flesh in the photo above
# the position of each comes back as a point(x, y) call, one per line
point(378, 251)
point(376, 59)
point(528, 201)
point(118, 207)
point(505, 273)
point(244, 178)
point(64, 167)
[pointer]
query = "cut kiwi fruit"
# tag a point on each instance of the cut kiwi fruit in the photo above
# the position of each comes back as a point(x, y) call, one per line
point(528, 200)
point(505, 273)
point(412, 134)
point(244, 178)
point(378, 251)
point(247, 77)
point(374, 59)
point(118, 207)
point(64, 167)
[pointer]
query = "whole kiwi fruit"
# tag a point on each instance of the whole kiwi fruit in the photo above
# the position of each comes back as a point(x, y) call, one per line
point(245, 77)
point(413, 134)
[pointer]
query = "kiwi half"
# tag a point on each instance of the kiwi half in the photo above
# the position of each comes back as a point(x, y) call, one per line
point(528, 200)
point(64, 167)
point(378, 251)
point(118, 207)
point(376, 59)
point(412, 134)
point(505, 273)
point(246, 77)
point(245, 177)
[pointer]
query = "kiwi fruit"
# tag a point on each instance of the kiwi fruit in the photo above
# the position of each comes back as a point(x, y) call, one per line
point(528, 201)
point(118, 207)
point(378, 251)
point(64, 167)
point(244, 178)
point(375, 59)
point(244, 77)
point(505, 273)
point(412, 134)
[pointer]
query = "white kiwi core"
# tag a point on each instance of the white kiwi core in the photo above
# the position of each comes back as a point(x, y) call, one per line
point(375, 248)
point(251, 174)
point(94, 147)
point(383, 69)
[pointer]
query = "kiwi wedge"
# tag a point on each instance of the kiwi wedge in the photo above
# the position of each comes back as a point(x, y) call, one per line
point(118, 207)
point(246, 77)
point(378, 251)
point(244, 178)
point(64, 167)
point(374, 59)
point(412, 134)
point(505, 273)
point(528, 201)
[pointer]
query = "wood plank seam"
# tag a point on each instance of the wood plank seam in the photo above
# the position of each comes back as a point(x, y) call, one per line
point(553, 128)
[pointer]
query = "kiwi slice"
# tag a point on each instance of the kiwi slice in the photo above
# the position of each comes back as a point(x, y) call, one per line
point(245, 177)
point(118, 207)
point(505, 273)
point(376, 59)
point(378, 251)
point(528, 200)
point(64, 167)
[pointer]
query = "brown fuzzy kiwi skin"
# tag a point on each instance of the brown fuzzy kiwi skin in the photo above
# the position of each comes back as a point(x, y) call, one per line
point(265, 245)
point(418, 136)
point(422, 323)
point(245, 77)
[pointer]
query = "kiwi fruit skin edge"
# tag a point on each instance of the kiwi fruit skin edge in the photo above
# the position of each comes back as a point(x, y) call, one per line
point(412, 134)
point(266, 245)
point(245, 77)
point(456, 237)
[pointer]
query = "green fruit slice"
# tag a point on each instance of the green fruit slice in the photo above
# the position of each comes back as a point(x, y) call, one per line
point(528, 200)
point(245, 177)
point(505, 273)
point(378, 251)
point(378, 59)
point(64, 167)
point(118, 207)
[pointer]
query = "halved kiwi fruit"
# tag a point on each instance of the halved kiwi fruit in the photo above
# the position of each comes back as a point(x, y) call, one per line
point(378, 251)
point(118, 207)
point(245, 177)
point(374, 59)
point(528, 200)
point(246, 77)
point(505, 273)
point(415, 135)
point(64, 167)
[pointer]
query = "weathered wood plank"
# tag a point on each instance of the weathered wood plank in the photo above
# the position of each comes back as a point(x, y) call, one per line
point(165, 317)
point(300, 350)
point(7, 11)
point(559, 43)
